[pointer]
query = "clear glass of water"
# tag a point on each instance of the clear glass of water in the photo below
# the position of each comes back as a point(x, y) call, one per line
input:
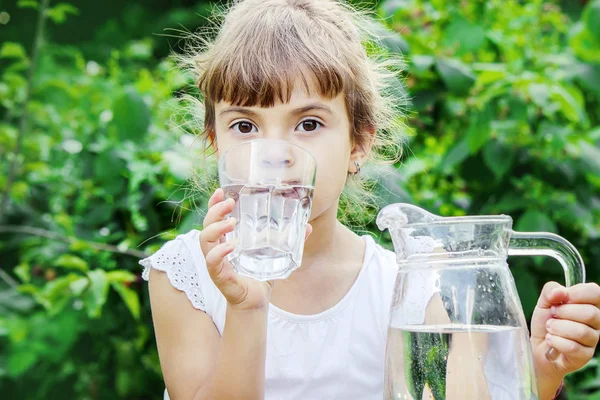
point(272, 183)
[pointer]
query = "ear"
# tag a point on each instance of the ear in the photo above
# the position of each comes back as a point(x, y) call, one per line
point(212, 140)
point(361, 149)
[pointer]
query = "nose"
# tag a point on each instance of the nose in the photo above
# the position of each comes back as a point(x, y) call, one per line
point(278, 157)
point(274, 163)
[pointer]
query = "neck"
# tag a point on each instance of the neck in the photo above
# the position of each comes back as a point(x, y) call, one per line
point(329, 243)
point(325, 238)
point(333, 257)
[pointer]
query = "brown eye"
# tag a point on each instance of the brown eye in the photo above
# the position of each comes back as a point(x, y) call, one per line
point(244, 128)
point(309, 125)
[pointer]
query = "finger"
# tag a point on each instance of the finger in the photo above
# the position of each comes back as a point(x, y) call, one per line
point(575, 331)
point(309, 230)
point(217, 197)
point(587, 314)
point(223, 275)
point(218, 212)
point(570, 348)
point(213, 233)
point(584, 293)
point(214, 260)
point(552, 293)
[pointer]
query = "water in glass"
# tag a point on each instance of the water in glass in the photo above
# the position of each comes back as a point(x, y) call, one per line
point(270, 229)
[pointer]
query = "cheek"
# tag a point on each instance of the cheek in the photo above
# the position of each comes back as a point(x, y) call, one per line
point(332, 172)
point(223, 140)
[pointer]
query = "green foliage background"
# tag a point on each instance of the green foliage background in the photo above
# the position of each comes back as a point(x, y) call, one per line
point(505, 112)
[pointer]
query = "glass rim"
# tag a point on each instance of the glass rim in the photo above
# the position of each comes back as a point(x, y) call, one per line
point(475, 220)
point(268, 141)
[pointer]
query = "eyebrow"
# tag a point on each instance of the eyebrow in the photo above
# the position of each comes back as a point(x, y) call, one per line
point(241, 110)
point(312, 107)
point(297, 111)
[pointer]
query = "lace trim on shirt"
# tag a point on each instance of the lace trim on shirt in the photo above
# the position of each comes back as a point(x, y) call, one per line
point(180, 270)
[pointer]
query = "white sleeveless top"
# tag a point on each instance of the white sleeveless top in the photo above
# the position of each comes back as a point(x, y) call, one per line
point(336, 354)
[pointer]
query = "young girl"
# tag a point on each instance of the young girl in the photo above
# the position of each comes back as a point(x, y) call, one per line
point(296, 70)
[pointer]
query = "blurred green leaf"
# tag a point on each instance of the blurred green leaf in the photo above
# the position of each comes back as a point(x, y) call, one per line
point(60, 11)
point(588, 76)
point(456, 75)
point(70, 261)
point(590, 155)
point(131, 116)
point(57, 293)
point(488, 73)
point(421, 63)
point(12, 300)
point(499, 158)
point(109, 169)
point(23, 271)
point(13, 50)
point(583, 43)
point(79, 286)
point(479, 129)
point(540, 94)
point(595, 134)
point(463, 35)
point(95, 296)
point(130, 298)
point(20, 361)
point(139, 49)
point(28, 4)
point(571, 104)
point(457, 154)
point(535, 221)
point(511, 202)
point(591, 16)
point(120, 276)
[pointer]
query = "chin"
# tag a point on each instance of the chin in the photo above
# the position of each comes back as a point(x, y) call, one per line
point(319, 209)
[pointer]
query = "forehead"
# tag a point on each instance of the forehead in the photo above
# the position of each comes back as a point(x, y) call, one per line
point(302, 91)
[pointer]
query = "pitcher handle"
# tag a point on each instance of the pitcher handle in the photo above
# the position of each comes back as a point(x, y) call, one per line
point(549, 244)
point(557, 247)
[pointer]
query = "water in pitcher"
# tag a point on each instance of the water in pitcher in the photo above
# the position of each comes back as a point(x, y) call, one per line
point(458, 362)
point(271, 228)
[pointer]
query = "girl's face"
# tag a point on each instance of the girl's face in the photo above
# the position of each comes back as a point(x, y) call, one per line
point(319, 125)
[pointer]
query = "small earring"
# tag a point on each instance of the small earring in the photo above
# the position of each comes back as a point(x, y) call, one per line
point(357, 168)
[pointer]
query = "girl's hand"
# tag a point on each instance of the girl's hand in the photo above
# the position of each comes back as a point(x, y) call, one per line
point(567, 319)
point(242, 293)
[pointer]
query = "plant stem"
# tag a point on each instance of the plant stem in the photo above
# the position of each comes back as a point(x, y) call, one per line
point(37, 45)
point(8, 279)
point(30, 230)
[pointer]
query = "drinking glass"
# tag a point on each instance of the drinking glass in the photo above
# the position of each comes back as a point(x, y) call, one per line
point(272, 183)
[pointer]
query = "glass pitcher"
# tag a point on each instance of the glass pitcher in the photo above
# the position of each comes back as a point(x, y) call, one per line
point(457, 328)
